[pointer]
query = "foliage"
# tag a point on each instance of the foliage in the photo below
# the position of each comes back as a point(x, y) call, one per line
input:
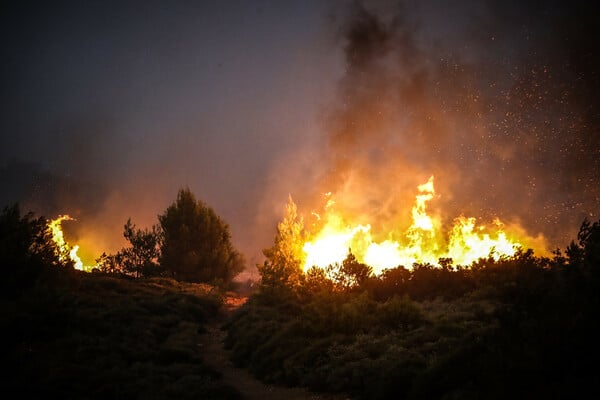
point(518, 327)
point(108, 263)
point(283, 264)
point(350, 274)
point(587, 251)
point(27, 250)
point(196, 244)
point(70, 334)
point(140, 258)
point(95, 336)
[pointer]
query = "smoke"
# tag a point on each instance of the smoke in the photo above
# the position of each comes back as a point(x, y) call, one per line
point(498, 102)
point(109, 111)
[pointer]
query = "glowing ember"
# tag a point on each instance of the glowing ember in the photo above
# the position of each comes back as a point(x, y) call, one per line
point(422, 242)
point(58, 237)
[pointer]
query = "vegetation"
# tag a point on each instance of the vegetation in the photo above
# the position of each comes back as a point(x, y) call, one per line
point(27, 251)
point(102, 337)
point(196, 244)
point(191, 243)
point(281, 266)
point(520, 327)
point(140, 258)
point(70, 334)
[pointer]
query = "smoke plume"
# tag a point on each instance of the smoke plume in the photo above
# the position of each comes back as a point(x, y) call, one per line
point(500, 105)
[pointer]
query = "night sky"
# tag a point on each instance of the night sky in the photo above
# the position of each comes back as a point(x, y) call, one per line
point(108, 108)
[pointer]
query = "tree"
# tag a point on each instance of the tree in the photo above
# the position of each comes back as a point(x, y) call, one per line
point(589, 241)
point(108, 263)
point(283, 265)
point(141, 258)
point(586, 253)
point(316, 280)
point(351, 273)
point(196, 243)
point(27, 249)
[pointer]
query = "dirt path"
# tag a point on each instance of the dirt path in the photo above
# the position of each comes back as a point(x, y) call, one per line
point(218, 358)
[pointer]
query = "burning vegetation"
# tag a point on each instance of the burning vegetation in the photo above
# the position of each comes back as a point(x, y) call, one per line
point(506, 327)
point(332, 235)
point(191, 243)
point(65, 249)
point(384, 291)
point(424, 332)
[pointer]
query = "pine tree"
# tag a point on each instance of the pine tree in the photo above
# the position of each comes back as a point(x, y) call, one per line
point(196, 242)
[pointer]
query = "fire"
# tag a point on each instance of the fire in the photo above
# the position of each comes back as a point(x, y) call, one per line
point(58, 237)
point(332, 245)
point(423, 242)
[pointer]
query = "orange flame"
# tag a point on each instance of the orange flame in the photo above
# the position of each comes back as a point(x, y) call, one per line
point(422, 242)
point(58, 237)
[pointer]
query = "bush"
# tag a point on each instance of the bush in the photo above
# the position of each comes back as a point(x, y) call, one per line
point(521, 326)
point(97, 337)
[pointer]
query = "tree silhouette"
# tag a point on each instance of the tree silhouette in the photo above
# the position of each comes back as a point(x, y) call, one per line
point(589, 241)
point(584, 256)
point(142, 257)
point(108, 263)
point(26, 249)
point(196, 244)
point(351, 273)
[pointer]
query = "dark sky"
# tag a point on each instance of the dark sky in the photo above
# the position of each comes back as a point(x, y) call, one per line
point(108, 108)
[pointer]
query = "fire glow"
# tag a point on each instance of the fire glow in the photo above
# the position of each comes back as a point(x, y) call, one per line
point(423, 242)
point(58, 238)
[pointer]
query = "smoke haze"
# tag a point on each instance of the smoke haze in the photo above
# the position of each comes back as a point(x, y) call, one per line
point(107, 111)
point(499, 105)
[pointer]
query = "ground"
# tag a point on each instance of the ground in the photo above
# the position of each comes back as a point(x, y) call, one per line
point(217, 357)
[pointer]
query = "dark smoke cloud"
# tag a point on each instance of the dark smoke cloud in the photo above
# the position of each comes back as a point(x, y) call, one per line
point(499, 103)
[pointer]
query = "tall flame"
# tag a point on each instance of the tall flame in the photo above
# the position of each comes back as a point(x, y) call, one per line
point(422, 242)
point(58, 238)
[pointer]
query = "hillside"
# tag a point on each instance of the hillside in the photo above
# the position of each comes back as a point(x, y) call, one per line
point(518, 327)
point(95, 336)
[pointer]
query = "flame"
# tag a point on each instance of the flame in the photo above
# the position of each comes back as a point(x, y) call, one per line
point(422, 242)
point(58, 237)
